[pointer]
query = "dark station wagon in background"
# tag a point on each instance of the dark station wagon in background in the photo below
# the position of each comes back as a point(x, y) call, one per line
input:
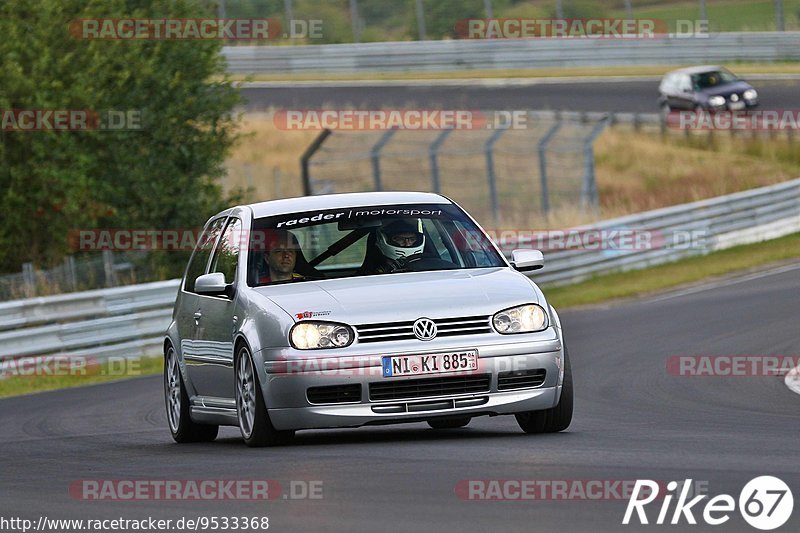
point(706, 88)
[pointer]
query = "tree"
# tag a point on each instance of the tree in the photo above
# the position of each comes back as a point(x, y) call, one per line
point(159, 176)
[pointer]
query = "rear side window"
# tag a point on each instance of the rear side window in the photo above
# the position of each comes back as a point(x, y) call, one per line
point(199, 260)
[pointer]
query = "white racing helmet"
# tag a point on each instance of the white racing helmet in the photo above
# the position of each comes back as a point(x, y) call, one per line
point(401, 238)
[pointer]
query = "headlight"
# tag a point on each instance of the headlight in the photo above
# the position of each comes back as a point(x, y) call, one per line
point(315, 335)
point(750, 94)
point(716, 101)
point(522, 319)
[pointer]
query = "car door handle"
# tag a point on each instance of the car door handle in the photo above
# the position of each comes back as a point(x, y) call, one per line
point(197, 317)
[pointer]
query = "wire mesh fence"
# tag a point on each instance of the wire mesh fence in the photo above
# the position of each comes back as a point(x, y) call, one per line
point(500, 175)
point(92, 271)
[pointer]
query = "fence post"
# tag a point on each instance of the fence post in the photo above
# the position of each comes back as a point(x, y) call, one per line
point(433, 154)
point(69, 270)
point(589, 188)
point(420, 9)
point(108, 268)
point(29, 279)
point(489, 147)
point(375, 155)
point(305, 160)
point(542, 147)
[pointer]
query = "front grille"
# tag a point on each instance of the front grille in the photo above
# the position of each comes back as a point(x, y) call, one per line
point(521, 379)
point(334, 394)
point(447, 327)
point(396, 389)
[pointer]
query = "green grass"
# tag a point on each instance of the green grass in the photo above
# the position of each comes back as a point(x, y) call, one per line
point(596, 290)
point(729, 16)
point(640, 282)
point(64, 375)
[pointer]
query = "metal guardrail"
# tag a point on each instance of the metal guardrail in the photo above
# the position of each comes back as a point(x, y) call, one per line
point(130, 321)
point(676, 232)
point(512, 53)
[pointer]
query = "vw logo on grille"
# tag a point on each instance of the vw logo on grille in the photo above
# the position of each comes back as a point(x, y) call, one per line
point(425, 329)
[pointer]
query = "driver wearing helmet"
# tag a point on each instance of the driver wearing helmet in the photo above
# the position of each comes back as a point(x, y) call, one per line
point(397, 242)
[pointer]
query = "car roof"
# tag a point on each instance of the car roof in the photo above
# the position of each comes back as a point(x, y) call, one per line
point(344, 200)
point(695, 70)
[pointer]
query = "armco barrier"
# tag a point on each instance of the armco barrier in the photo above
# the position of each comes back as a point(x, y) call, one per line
point(718, 223)
point(130, 321)
point(512, 53)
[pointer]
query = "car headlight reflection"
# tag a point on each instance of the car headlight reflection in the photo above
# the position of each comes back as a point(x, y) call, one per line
point(750, 94)
point(716, 101)
point(521, 319)
point(315, 335)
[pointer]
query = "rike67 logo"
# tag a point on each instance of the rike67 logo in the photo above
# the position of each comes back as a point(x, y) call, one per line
point(765, 503)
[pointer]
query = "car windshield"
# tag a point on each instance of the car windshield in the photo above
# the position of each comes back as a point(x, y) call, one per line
point(712, 78)
point(363, 241)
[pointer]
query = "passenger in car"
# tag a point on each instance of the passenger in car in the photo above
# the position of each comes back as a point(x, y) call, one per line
point(280, 257)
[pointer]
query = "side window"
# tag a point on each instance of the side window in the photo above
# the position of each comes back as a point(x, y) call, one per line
point(199, 260)
point(474, 245)
point(432, 230)
point(226, 255)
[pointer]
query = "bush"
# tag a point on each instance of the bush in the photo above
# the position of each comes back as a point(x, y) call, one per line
point(160, 176)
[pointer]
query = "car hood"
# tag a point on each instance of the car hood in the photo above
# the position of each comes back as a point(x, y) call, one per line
point(728, 89)
point(406, 296)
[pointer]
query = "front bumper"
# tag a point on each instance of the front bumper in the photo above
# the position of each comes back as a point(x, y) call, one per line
point(286, 383)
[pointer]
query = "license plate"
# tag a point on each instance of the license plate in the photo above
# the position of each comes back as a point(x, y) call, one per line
point(437, 363)
point(735, 106)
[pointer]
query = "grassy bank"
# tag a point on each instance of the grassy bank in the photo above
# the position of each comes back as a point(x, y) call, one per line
point(25, 376)
point(742, 69)
point(640, 282)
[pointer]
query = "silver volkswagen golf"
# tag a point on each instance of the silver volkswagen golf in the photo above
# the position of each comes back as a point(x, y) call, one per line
point(356, 309)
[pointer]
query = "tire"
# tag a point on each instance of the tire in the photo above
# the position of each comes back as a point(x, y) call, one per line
point(449, 423)
point(180, 424)
point(556, 418)
point(251, 411)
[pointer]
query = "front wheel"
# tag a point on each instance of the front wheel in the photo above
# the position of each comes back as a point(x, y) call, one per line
point(556, 418)
point(181, 426)
point(254, 423)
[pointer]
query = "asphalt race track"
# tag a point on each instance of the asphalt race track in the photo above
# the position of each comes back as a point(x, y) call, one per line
point(620, 96)
point(632, 420)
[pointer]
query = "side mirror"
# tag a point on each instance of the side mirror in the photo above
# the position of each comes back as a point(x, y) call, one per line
point(212, 284)
point(527, 260)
